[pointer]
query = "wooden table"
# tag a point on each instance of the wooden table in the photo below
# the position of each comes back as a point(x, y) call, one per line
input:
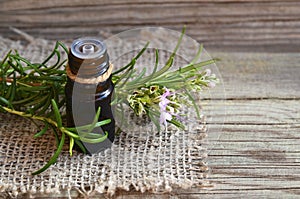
point(258, 152)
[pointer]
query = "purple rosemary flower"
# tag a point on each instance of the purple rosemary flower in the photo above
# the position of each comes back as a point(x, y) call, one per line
point(164, 101)
point(164, 116)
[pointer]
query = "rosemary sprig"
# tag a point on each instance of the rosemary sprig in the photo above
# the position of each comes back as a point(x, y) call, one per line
point(56, 123)
point(29, 90)
point(145, 94)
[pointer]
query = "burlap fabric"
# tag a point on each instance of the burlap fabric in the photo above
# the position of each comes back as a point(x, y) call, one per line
point(142, 158)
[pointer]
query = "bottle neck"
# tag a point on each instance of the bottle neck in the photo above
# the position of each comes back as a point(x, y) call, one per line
point(88, 68)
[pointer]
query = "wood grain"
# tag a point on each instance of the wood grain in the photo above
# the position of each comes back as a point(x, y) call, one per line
point(257, 152)
point(257, 76)
point(248, 25)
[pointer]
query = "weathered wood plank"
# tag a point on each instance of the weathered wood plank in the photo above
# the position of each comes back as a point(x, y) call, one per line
point(257, 76)
point(266, 112)
point(258, 151)
point(247, 25)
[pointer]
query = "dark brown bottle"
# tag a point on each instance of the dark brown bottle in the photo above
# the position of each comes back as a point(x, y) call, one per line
point(89, 87)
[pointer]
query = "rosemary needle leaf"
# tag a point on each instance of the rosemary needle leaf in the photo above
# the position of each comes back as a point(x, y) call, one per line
point(5, 102)
point(53, 158)
point(63, 46)
point(57, 114)
point(50, 56)
point(45, 106)
point(100, 138)
point(165, 68)
point(92, 126)
point(197, 65)
point(130, 63)
point(155, 121)
point(142, 51)
point(4, 60)
point(71, 146)
point(43, 131)
point(86, 127)
point(93, 135)
point(127, 73)
point(16, 68)
point(156, 61)
point(55, 134)
point(145, 80)
point(39, 100)
point(178, 124)
point(69, 133)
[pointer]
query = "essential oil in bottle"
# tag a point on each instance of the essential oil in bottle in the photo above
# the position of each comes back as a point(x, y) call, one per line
point(89, 86)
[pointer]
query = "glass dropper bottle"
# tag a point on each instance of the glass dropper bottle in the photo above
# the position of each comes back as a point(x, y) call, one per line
point(89, 86)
